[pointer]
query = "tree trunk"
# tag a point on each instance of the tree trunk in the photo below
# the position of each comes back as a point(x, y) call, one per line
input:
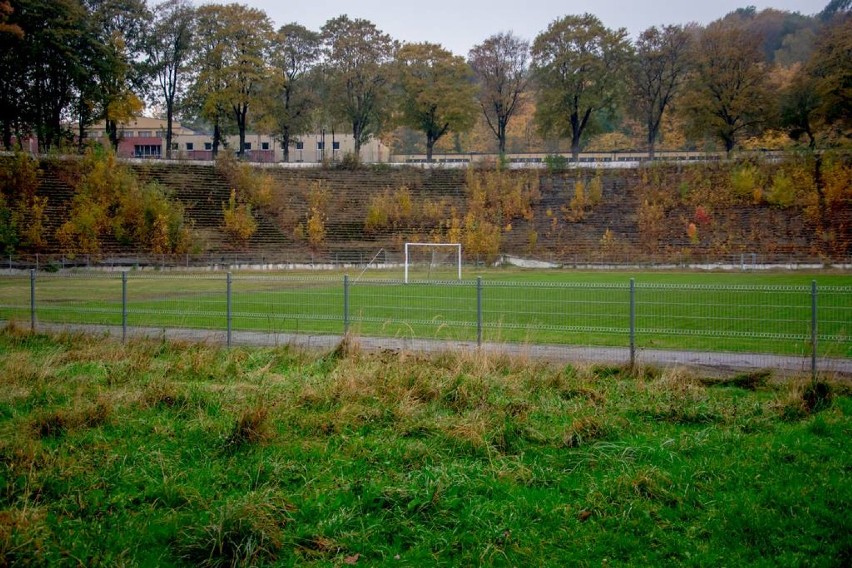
point(169, 113)
point(7, 135)
point(217, 135)
point(501, 135)
point(430, 145)
point(652, 143)
point(285, 143)
point(112, 133)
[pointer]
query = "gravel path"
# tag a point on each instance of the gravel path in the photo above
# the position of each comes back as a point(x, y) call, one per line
point(707, 363)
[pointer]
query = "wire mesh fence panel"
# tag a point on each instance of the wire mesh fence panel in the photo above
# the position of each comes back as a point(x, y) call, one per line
point(575, 314)
point(834, 321)
point(288, 304)
point(79, 298)
point(15, 298)
point(757, 319)
point(794, 327)
point(418, 310)
point(196, 301)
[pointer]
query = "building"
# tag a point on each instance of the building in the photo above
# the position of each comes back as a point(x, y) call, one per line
point(144, 137)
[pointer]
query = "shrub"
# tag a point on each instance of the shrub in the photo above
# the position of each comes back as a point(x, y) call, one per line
point(555, 163)
point(783, 190)
point(745, 182)
point(252, 186)
point(22, 211)
point(109, 200)
point(238, 222)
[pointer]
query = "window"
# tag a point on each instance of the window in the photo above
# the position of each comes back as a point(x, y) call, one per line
point(264, 145)
point(208, 145)
point(190, 146)
point(320, 145)
point(144, 134)
point(146, 151)
point(247, 146)
point(300, 145)
point(335, 145)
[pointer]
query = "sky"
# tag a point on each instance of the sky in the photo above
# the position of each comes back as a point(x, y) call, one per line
point(460, 24)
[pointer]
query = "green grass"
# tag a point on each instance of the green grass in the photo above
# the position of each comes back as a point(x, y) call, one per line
point(169, 454)
point(751, 312)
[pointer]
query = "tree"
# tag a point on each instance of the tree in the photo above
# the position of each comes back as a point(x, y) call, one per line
point(357, 56)
point(728, 94)
point(230, 65)
point(41, 71)
point(207, 66)
point(579, 66)
point(501, 67)
point(247, 32)
point(436, 92)
point(168, 49)
point(831, 71)
point(659, 69)
point(119, 74)
point(295, 54)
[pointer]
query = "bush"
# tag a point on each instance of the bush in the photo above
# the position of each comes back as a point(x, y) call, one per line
point(252, 186)
point(238, 222)
point(109, 201)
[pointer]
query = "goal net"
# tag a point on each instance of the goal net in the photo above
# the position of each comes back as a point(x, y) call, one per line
point(433, 261)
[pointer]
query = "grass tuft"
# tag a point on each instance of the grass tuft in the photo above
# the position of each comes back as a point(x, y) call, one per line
point(251, 427)
point(244, 533)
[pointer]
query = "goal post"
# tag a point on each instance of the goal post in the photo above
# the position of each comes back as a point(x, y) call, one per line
point(453, 248)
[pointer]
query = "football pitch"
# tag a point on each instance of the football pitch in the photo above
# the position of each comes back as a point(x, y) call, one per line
point(756, 312)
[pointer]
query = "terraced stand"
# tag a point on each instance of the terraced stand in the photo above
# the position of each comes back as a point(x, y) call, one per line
point(775, 234)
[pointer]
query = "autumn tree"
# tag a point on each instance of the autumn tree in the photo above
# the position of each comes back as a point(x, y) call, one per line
point(831, 71)
point(728, 94)
point(168, 47)
point(357, 61)
point(436, 93)
point(204, 95)
point(579, 68)
point(118, 74)
point(500, 64)
point(660, 67)
point(295, 56)
point(230, 65)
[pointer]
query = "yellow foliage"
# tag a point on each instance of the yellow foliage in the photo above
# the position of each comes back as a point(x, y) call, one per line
point(238, 222)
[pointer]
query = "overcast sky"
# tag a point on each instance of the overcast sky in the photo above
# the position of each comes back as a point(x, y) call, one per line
point(460, 24)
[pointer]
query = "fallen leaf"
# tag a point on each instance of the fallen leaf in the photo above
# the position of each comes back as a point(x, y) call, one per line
point(584, 515)
point(352, 559)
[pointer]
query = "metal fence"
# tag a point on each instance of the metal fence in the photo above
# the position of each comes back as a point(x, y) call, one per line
point(792, 328)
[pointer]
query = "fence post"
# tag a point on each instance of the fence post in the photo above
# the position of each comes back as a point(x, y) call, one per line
point(345, 304)
point(632, 323)
point(32, 300)
point(479, 311)
point(228, 307)
point(813, 330)
point(123, 306)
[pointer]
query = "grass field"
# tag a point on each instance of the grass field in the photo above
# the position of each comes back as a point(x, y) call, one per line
point(751, 312)
point(162, 454)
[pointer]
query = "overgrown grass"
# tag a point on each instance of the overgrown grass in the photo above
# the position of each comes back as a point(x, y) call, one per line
point(156, 453)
